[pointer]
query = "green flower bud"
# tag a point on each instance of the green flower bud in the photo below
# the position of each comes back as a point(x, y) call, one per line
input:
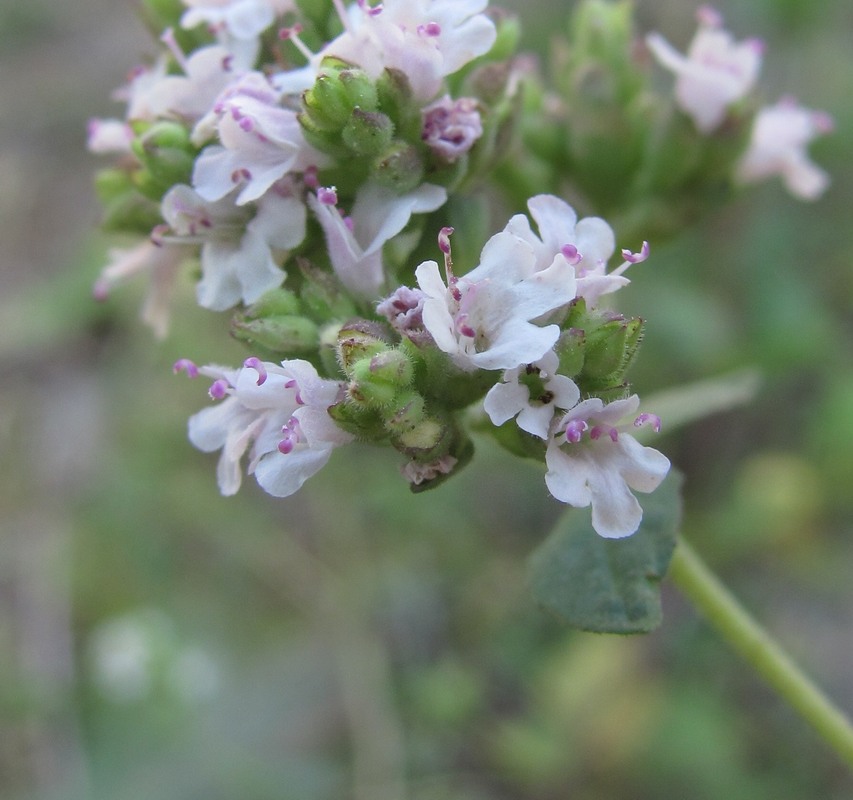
point(400, 167)
point(367, 133)
point(338, 89)
point(570, 349)
point(394, 94)
point(274, 303)
point(291, 335)
point(605, 349)
point(358, 339)
point(321, 294)
point(131, 212)
point(408, 412)
point(377, 380)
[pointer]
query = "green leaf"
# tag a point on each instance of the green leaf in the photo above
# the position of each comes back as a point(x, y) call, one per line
point(609, 585)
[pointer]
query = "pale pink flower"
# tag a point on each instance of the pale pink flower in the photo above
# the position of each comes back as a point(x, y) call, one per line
point(160, 264)
point(593, 460)
point(587, 245)
point(425, 39)
point(488, 318)
point(355, 242)
point(534, 414)
point(716, 72)
point(780, 136)
point(260, 142)
point(237, 245)
point(277, 414)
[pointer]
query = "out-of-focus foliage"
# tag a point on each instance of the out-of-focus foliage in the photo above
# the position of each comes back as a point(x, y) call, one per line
point(160, 641)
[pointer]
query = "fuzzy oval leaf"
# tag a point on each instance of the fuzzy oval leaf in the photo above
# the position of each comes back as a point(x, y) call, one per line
point(609, 585)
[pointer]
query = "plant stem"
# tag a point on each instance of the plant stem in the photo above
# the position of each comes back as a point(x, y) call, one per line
point(758, 647)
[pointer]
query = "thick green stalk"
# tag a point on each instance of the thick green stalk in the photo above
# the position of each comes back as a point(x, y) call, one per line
point(755, 644)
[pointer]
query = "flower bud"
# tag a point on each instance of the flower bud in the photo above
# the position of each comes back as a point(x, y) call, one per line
point(339, 88)
point(358, 339)
point(367, 133)
point(399, 167)
point(274, 303)
point(377, 380)
point(288, 334)
point(322, 296)
point(166, 152)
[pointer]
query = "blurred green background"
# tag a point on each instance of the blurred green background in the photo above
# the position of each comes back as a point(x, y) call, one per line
point(356, 641)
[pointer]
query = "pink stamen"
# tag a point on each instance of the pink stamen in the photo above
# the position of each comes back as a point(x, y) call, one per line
point(598, 430)
point(101, 291)
point(218, 389)
point(292, 384)
point(241, 174)
point(366, 8)
point(430, 29)
point(309, 177)
point(185, 365)
point(256, 364)
point(328, 196)
point(575, 430)
point(571, 253)
point(292, 436)
point(648, 419)
point(636, 258)
point(157, 234)
point(168, 38)
point(709, 16)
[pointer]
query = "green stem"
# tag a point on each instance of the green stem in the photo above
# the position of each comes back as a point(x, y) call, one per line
point(755, 644)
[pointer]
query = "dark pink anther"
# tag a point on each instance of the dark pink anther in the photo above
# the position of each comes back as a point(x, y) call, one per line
point(228, 63)
point(328, 195)
point(256, 364)
point(292, 384)
point(350, 224)
point(709, 16)
point(366, 8)
point(571, 253)
point(185, 365)
point(287, 33)
point(575, 430)
point(101, 291)
point(241, 174)
point(636, 258)
point(157, 234)
point(598, 430)
point(246, 124)
point(218, 389)
point(648, 419)
point(430, 29)
point(444, 240)
point(310, 178)
point(292, 434)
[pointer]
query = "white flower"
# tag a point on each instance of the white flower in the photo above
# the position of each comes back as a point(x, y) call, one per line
point(236, 247)
point(109, 136)
point(378, 214)
point(207, 72)
point(237, 23)
point(425, 39)
point(260, 142)
point(587, 245)
point(160, 262)
point(716, 72)
point(486, 319)
point(780, 136)
point(591, 459)
point(535, 413)
point(275, 413)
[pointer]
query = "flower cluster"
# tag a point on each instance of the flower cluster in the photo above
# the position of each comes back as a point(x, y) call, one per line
point(305, 155)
